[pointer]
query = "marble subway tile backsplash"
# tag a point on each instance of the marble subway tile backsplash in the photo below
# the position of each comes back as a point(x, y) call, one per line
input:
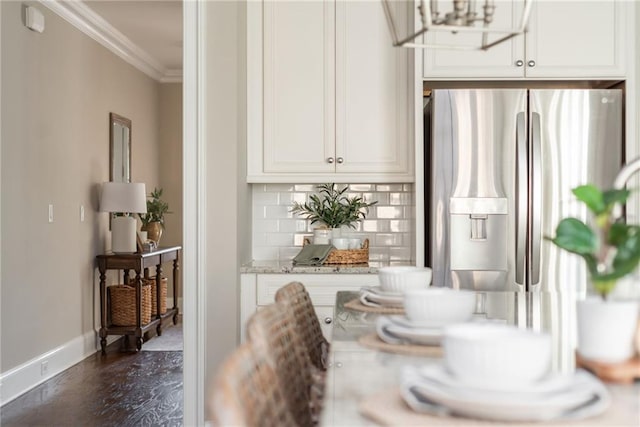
point(279, 234)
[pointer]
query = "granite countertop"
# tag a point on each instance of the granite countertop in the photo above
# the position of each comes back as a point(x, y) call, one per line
point(274, 267)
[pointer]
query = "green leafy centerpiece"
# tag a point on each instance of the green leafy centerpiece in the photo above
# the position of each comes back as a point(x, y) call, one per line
point(333, 207)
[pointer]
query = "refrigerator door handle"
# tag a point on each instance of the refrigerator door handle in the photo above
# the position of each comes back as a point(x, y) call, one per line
point(536, 198)
point(521, 197)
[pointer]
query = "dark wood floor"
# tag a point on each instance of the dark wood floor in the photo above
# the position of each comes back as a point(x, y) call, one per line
point(120, 389)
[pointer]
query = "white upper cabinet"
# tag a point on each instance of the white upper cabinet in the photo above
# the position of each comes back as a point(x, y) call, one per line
point(329, 98)
point(577, 39)
point(564, 40)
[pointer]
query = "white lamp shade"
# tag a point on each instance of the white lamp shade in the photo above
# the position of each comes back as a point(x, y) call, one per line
point(123, 197)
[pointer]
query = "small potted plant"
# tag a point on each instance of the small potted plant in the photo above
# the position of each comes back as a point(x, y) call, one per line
point(611, 250)
point(333, 208)
point(153, 220)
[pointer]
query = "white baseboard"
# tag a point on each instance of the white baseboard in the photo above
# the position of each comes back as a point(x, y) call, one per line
point(24, 377)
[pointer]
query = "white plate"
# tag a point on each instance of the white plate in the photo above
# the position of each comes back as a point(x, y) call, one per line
point(373, 299)
point(397, 334)
point(417, 336)
point(553, 383)
point(378, 291)
point(408, 323)
point(584, 396)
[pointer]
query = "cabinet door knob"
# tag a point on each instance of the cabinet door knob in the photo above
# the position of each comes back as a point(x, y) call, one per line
point(519, 63)
point(328, 320)
point(531, 63)
point(330, 160)
point(340, 160)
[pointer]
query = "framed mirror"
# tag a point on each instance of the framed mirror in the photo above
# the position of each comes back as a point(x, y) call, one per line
point(119, 148)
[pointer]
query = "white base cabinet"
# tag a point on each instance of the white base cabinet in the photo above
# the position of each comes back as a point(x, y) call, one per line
point(259, 290)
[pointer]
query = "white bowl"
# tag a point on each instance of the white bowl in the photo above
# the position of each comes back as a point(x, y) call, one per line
point(402, 278)
point(340, 243)
point(493, 356)
point(437, 307)
point(355, 243)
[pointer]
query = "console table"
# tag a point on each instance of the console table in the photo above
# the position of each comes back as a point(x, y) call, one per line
point(140, 264)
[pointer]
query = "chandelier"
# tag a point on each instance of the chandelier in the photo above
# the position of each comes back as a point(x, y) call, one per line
point(465, 17)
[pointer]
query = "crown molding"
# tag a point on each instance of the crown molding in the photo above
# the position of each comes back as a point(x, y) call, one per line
point(93, 25)
point(172, 76)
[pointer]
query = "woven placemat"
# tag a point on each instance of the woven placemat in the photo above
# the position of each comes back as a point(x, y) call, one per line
point(356, 304)
point(373, 341)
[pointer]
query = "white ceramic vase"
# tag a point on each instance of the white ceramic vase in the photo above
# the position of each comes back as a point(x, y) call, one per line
point(606, 329)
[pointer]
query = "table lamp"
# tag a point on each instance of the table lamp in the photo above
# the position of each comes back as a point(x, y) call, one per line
point(123, 199)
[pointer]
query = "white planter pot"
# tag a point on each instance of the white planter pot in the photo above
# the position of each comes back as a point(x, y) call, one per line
point(321, 236)
point(336, 233)
point(606, 329)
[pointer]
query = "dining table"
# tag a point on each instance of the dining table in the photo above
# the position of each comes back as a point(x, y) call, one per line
point(363, 382)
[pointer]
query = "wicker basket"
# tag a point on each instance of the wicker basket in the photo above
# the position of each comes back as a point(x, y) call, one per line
point(123, 305)
point(349, 256)
point(151, 281)
point(163, 295)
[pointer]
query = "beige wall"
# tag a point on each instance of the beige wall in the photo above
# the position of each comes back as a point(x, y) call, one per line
point(57, 91)
point(170, 140)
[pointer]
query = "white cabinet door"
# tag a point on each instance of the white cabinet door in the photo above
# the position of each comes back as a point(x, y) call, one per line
point(500, 61)
point(298, 66)
point(565, 40)
point(576, 39)
point(373, 122)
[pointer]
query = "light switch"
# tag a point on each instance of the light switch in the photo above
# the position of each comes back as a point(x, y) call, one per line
point(34, 19)
point(81, 213)
point(50, 213)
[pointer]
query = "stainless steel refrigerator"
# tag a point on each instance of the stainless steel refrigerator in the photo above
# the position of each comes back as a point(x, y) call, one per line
point(501, 168)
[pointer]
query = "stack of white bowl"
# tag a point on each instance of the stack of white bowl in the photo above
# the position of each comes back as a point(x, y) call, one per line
point(489, 355)
point(428, 306)
point(501, 372)
point(399, 279)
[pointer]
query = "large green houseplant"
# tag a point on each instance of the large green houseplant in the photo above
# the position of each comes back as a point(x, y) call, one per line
point(611, 250)
point(333, 208)
point(153, 219)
